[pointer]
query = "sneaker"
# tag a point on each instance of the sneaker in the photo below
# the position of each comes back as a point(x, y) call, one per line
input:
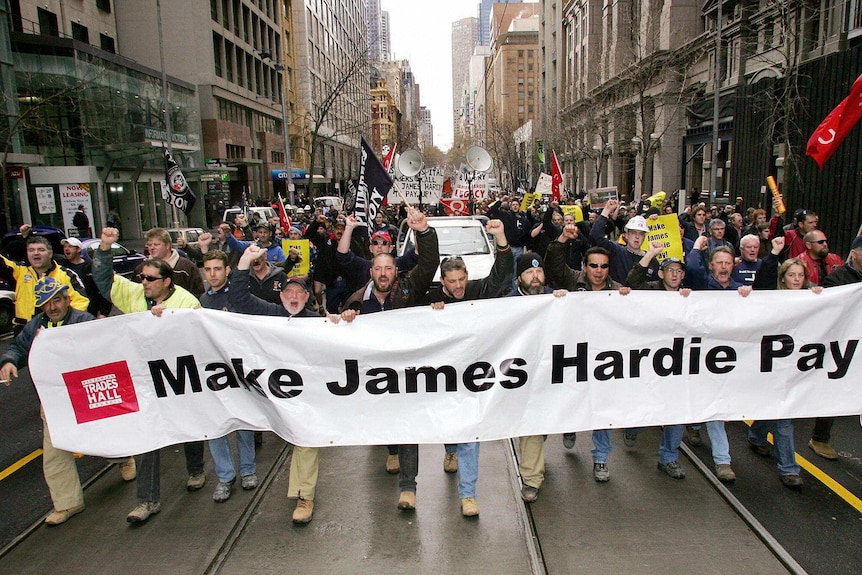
point(63, 515)
point(128, 469)
point(249, 481)
point(469, 507)
point(629, 438)
point(529, 493)
point(407, 501)
point(569, 440)
point(303, 512)
point(823, 449)
point(724, 473)
point(222, 491)
point(393, 466)
point(196, 481)
point(601, 473)
point(450, 463)
point(694, 437)
point(143, 511)
point(672, 468)
point(764, 450)
point(792, 480)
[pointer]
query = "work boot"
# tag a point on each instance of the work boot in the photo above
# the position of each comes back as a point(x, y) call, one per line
point(407, 500)
point(630, 438)
point(792, 480)
point(601, 473)
point(63, 515)
point(450, 463)
point(569, 440)
point(724, 473)
point(672, 468)
point(196, 481)
point(303, 512)
point(393, 465)
point(222, 491)
point(529, 493)
point(249, 481)
point(694, 437)
point(469, 507)
point(823, 449)
point(128, 469)
point(143, 511)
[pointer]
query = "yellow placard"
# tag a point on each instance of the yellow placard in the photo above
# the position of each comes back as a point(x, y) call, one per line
point(665, 229)
point(575, 211)
point(304, 265)
point(528, 200)
point(657, 200)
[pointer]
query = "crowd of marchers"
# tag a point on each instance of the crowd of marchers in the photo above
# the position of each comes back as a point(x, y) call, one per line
point(549, 248)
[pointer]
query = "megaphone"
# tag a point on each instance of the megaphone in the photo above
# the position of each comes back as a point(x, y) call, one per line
point(479, 159)
point(410, 163)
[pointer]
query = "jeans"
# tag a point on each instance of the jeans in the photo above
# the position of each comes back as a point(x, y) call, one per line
point(822, 429)
point(671, 437)
point(782, 435)
point(408, 458)
point(223, 458)
point(149, 465)
point(718, 439)
point(602, 445)
point(468, 468)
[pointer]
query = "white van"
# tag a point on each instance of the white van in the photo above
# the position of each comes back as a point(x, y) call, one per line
point(264, 213)
point(329, 202)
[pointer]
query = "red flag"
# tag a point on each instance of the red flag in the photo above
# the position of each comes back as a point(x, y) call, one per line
point(832, 131)
point(387, 161)
point(556, 178)
point(282, 215)
point(455, 206)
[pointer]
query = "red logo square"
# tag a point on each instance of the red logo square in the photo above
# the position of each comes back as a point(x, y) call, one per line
point(101, 391)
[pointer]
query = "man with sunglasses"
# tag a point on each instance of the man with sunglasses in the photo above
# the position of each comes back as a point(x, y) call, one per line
point(804, 221)
point(594, 277)
point(155, 292)
point(455, 287)
point(820, 262)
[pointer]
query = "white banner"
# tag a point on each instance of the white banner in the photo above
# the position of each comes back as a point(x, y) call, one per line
point(474, 371)
point(544, 184)
point(432, 188)
point(478, 188)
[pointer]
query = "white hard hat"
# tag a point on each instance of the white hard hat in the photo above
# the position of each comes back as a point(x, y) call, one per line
point(637, 224)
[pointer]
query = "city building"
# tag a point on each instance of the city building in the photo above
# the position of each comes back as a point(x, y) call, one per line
point(464, 34)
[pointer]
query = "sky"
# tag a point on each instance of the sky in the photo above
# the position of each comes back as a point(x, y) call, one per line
point(421, 32)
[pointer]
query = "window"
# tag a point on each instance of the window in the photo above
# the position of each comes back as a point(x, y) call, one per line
point(214, 10)
point(80, 33)
point(217, 54)
point(107, 44)
point(104, 5)
point(48, 25)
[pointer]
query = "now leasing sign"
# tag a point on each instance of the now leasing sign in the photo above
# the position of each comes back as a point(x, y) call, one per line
point(473, 371)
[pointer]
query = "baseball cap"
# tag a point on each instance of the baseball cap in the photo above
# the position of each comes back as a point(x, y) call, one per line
point(72, 242)
point(46, 289)
point(857, 243)
point(638, 224)
point(382, 235)
point(670, 261)
point(295, 281)
point(263, 224)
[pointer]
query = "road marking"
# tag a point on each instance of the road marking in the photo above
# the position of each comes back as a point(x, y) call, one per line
point(19, 464)
point(822, 477)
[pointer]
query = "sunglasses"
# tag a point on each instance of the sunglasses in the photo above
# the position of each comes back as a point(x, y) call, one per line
point(379, 243)
point(595, 266)
point(151, 278)
point(821, 242)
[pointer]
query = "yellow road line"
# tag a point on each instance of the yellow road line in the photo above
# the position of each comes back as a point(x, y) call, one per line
point(824, 478)
point(19, 464)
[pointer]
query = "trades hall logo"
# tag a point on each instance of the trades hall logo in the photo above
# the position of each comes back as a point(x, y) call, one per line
point(101, 391)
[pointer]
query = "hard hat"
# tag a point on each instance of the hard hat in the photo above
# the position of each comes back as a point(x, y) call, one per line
point(637, 224)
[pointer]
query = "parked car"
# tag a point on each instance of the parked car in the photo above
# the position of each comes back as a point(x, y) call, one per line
point(54, 235)
point(329, 202)
point(190, 235)
point(265, 213)
point(125, 260)
point(463, 236)
point(7, 310)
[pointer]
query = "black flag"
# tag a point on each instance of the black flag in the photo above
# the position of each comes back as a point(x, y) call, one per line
point(179, 192)
point(374, 186)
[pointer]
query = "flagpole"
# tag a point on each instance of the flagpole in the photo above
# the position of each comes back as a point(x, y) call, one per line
point(168, 127)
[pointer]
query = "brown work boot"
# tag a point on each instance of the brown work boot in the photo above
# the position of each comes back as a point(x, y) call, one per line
point(724, 473)
point(393, 465)
point(407, 501)
point(304, 510)
point(823, 449)
point(469, 507)
point(450, 463)
point(128, 469)
point(63, 515)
